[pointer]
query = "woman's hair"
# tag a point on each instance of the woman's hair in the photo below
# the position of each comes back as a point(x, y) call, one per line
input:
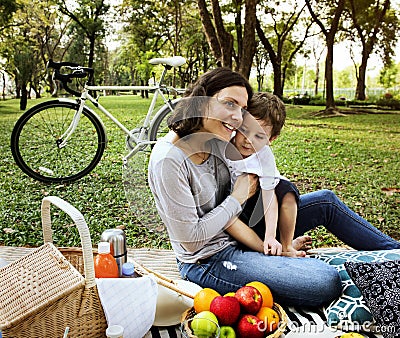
point(270, 109)
point(187, 120)
point(188, 115)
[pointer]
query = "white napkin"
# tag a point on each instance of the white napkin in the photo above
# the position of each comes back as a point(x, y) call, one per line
point(129, 302)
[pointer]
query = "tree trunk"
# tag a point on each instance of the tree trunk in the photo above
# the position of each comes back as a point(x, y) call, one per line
point(225, 39)
point(330, 99)
point(24, 97)
point(209, 31)
point(278, 89)
point(330, 41)
point(17, 89)
point(36, 89)
point(3, 94)
point(92, 41)
point(362, 72)
point(368, 40)
point(274, 58)
point(52, 85)
point(316, 80)
point(249, 39)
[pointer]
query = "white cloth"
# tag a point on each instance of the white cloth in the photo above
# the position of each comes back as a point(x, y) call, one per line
point(129, 302)
point(261, 163)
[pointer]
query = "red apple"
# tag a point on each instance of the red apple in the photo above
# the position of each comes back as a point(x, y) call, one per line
point(226, 308)
point(250, 326)
point(250, 299)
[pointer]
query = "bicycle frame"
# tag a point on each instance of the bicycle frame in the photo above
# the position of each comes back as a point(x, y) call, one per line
point(142, 139)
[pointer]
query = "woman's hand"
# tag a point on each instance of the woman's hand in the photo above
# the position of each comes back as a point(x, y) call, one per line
point(245, 186)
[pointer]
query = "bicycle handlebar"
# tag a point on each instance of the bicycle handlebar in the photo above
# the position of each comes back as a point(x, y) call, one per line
point(78, 72)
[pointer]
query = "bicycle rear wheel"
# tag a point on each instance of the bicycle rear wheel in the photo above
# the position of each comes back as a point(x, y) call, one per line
point(159, 126)
point(35, 142)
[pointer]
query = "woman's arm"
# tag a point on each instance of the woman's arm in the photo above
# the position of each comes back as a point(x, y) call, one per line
point(186, 202)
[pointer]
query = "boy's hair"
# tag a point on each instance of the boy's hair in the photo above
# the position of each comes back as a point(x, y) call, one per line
point(270, 109)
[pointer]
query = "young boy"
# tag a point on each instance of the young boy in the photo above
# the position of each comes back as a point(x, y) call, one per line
point(252, 154)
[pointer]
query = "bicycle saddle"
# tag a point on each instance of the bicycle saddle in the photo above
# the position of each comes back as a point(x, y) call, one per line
point(174, 61)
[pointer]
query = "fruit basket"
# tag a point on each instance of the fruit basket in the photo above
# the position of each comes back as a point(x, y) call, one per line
point(190, 313)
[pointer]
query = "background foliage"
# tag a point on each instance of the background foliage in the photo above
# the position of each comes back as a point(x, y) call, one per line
point(254, 37)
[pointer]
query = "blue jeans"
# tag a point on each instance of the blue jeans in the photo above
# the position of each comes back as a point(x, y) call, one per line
point(293, 281)
point(323, 207)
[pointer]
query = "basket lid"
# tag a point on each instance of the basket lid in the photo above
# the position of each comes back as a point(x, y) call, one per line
point(35, 281)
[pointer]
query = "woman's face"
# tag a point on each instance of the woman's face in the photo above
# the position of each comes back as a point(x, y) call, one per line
point(225, 113)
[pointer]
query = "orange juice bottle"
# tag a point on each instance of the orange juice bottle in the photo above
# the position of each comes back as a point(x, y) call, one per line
point(105, 265)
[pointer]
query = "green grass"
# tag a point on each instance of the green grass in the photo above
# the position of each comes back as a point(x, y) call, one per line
point(357, 156)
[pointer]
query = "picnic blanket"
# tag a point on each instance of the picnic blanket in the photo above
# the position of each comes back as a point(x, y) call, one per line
point(302, 322)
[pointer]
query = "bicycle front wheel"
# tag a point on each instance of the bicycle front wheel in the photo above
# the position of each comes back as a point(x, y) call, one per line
point(159, 126)
point(37, 148)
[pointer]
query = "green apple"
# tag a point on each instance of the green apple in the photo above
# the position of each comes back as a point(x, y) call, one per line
point(204, 324)
point(227, 332)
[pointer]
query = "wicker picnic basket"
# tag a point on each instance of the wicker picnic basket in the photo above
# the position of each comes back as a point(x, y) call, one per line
point(44, 292)
point(190, 313)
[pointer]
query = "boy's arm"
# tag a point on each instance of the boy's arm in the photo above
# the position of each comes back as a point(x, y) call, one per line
point(245, 235)
point(270, 203)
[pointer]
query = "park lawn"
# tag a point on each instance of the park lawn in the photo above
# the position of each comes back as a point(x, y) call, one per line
point(357, 156)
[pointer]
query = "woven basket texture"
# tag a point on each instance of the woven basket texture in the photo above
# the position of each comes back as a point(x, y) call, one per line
point(49, 289)
point(190, 313)
point(75, 257)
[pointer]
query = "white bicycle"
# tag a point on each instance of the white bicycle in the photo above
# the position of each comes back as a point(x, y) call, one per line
point(62, 140)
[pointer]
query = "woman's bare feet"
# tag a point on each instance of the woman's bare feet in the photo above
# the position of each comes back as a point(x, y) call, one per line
point(302, 243)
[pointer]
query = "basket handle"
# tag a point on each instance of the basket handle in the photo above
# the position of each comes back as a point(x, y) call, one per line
point(83, 229)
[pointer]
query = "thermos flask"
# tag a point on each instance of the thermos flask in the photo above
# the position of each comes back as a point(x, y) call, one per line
point(117, 240)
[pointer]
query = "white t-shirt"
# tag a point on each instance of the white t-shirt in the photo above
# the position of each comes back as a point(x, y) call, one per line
point(261, 163)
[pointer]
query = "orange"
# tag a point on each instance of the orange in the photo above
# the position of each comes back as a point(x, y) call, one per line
point(203, 299)
point(229, 294)
point(270, 318)
point(266, 294)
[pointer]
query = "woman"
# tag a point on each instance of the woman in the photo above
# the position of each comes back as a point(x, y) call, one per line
point(191, 187)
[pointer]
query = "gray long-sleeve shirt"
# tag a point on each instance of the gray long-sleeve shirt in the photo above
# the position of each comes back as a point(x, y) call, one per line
point(193, 200)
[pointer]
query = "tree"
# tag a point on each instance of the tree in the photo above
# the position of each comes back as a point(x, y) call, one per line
point(248, 49)
point(48, 29)
point(327, 14)
point(163, 28)
point(22, 62)
point(374, 28)
point(88, 16)
point(389, 75)
point(261, 62)
point(7, 8)
point(317, 52)
point(221, 39)
point(20, 50)
point(279, 40)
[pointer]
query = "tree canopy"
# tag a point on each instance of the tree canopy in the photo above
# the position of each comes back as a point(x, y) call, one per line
point(250, 36)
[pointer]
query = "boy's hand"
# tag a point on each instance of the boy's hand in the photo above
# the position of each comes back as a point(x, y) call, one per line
point(245, 187)
point(272, 247)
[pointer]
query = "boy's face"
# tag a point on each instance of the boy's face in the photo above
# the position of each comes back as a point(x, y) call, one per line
point(252, 135)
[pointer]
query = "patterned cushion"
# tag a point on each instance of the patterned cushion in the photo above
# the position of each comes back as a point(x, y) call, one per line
point(380, 286)
point(350, 309)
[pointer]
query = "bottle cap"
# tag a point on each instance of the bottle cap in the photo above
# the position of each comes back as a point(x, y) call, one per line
point(115, 331)
point(104, 247)
point(128, 269)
